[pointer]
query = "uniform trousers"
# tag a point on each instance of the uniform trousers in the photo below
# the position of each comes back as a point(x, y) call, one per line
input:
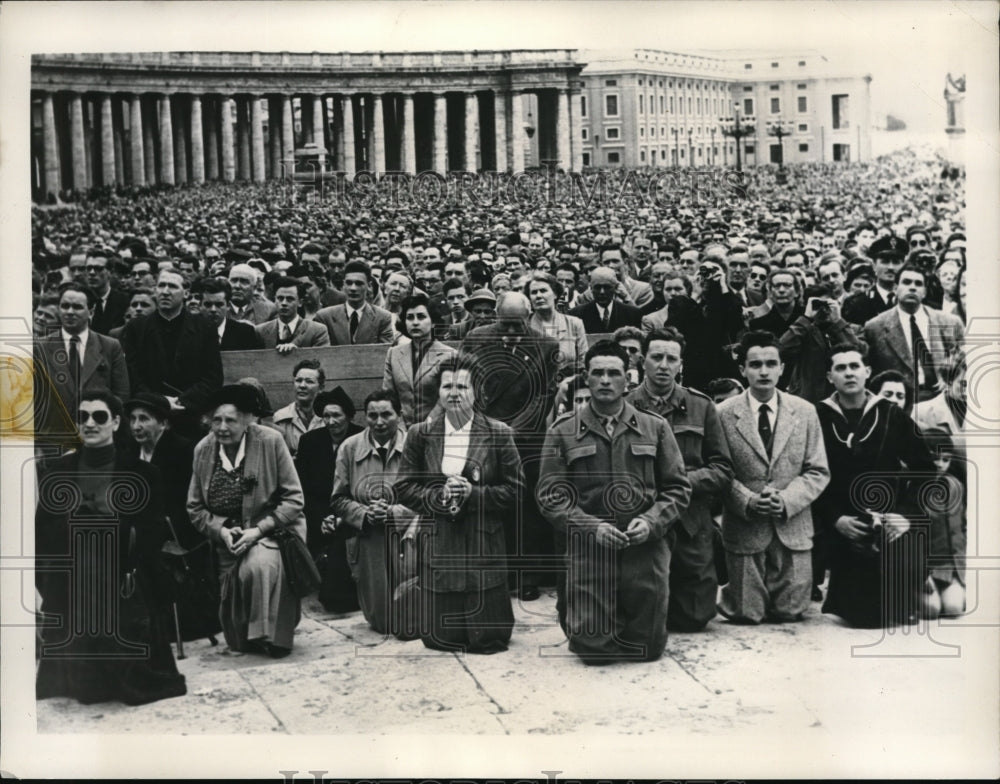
point(775, 584)
point(694, 584)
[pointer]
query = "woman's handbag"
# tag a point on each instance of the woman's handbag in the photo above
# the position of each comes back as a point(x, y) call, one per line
point(300, 569)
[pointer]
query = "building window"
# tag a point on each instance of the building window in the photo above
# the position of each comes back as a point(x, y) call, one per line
point(699, 106)
point(774, 65)
point(748, 106)
point(661, 83)
point(841, 107)
point(748, 149)
point(748, 66)
point(614, 157)
point(802, 63)
point(641, 104)
point(642, 131)
point(663, 154)
point(689, 104)
point(586, 159)
point(611, 133)
point(610, 82)
point(775, 106)
point(583, 105)
point(663, 131)
point(671, 104)
point(803, 127)
point(611, 105)
point(747, 88)
point(804, 147)
point(640, 82)
point(801, 86)
point(775, 87)
point(802, 104)
point(652, 105)
point(586, 134)
point(642, 155)
point(661, 104)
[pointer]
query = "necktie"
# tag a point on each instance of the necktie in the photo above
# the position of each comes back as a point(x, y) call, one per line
point(99, 313)
point(74, 365)
point(354, 324)
point(606, 320)
point(921, 354)
point(892, 299)
point(382, 454)
point(609, 425)
point(764, 427)
point(286, 334)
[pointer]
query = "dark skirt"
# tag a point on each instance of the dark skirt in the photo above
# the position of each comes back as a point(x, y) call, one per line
point(467, 621)
point(129, 662)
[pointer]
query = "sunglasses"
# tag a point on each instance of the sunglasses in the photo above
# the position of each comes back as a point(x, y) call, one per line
point(99, 417)
point(919, 244)
point(758, 276)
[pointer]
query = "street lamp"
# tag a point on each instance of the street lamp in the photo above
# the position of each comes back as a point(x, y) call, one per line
point(738, 128)
point(780, 129)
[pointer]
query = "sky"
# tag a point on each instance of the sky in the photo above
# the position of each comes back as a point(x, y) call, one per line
point(908, 46)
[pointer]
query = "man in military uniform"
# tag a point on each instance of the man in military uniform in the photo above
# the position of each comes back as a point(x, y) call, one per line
point(698, 431)
point(612, 484)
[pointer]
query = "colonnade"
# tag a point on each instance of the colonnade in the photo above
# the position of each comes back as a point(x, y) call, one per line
point(94, 139)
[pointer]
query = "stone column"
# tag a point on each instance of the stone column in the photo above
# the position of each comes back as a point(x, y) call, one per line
point(77, 143)
point(562, 129)
point(274, 131)
point(180, 147)
point(53, 176)
point(516, 131)
point(409, 136)
point(575, 126)
point(118, 131)
point(378, 135)
point(500, 129)
point(337, 142)
point(107, 143)
point(347, 115)
point(319, 121)
point(257, 138)
point(135, 141)
point(471, 131)
point(166, 142)
point(242, 123)
point(287, 137)
point(440, 134)
point(149, 140)
point(211, 116)
point(197, 142)
point(226, 132)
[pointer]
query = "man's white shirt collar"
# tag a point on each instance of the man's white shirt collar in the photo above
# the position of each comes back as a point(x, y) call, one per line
point(66, 337)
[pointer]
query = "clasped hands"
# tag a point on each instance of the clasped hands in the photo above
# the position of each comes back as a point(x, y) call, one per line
point(239, 540)
point(768, 502)
point(637, 532)
point(856, 530)
point(456, 490)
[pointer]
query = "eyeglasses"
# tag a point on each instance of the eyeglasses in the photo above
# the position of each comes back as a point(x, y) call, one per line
point(919, 244)
point(758, 276)
point(99, 417)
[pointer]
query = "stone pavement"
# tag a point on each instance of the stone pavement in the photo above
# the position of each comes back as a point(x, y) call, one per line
point(796, 681)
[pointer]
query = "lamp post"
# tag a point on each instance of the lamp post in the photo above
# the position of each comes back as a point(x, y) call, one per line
point(780, 129)
point(677, 158)
point(738, 128)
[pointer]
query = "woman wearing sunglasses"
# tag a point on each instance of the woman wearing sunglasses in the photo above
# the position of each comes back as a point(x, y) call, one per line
point(105, 636)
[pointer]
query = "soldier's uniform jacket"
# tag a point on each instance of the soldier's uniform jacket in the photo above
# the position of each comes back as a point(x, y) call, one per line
point(637, 472)
point(698, 431)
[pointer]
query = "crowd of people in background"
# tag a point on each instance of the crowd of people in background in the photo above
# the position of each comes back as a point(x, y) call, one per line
point(639, 402)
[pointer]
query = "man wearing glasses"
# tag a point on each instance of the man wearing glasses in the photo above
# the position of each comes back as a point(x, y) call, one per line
point(109, 310)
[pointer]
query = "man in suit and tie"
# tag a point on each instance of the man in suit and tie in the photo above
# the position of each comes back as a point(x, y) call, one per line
point(233, 335)
point(289, 330)
point(242, 305)
point(71, 361)
point(111, 304)
point(630, 291)
point(738, 261)
point(357, 321)
point(606, 313)
point(174, 353)
point(887, 255)
point(780, 468)
point(912, 338)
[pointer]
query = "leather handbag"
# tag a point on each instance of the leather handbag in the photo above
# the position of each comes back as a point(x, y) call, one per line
point(300, 569)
